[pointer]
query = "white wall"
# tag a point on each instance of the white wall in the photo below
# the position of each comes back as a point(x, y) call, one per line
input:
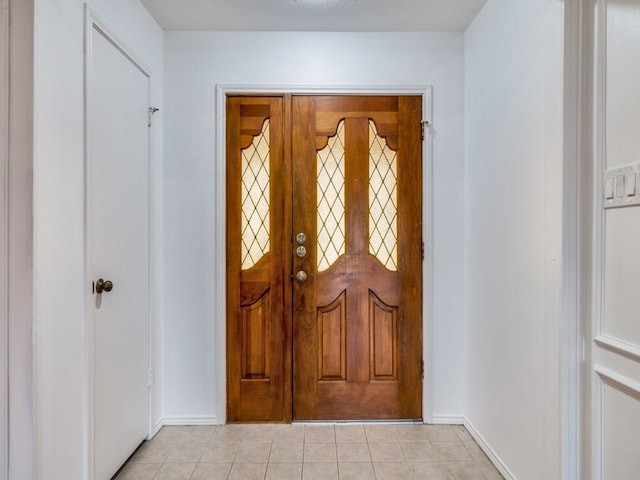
point(194, 63)
point(513, 209)
point(60, 285)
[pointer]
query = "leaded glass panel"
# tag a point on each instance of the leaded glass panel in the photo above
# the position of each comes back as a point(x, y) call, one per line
point(255, 199)
point(383, 200)
point(331, 203)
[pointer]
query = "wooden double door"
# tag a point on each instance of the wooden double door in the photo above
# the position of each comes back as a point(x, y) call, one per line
point(324, 258)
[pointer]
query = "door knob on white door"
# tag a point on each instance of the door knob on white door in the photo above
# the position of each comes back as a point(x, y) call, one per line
point(104, 286)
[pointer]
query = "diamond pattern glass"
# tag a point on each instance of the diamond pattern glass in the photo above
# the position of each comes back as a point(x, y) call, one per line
point(383, 200)
point(255, 199)
point(331, 206)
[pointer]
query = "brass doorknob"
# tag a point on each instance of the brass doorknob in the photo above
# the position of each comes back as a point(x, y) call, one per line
point(104, 286)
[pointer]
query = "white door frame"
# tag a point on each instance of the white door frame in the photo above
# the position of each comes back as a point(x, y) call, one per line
point(572, 326)
point(220, 244)
point(92, 21)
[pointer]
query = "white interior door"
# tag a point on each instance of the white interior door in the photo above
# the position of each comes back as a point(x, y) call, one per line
point(118, 246)
point(615, 339)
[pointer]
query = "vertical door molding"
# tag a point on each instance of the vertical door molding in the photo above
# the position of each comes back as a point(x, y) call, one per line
point(18, 208)
point(4, 247)
point(219, 297)
point(576, 239)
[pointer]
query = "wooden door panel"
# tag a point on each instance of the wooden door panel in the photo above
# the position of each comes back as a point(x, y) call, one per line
point(255, 259)
point(357, 332)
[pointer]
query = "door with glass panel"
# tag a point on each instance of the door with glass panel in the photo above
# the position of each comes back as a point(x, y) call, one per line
point(324, 245)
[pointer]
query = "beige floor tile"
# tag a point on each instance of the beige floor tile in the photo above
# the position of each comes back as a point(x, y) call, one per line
point(353, 452)
point(381, 433)
point(478, 455)
point(198, 433)
point(258, 433)
point(419, 451)
point(320, 471)
point(211, 471)
point(288, 434)
point(286, 452)
point(170, 434)
point(491, 472)
point(248, 471)
point(386, 452)
point(253, 453)
point(350, 433)
point(175, 471)
point(319, 433)
point(429, 471)
point(441, 433)
point(187, 451)
point(411, 433)
point(229, 433)
point(151, 453)
point(391, 470)
point(356, 471)
point(284, 471)
point(139, 471)
point(465, 471)
point(320, 452)
point(220, 452)
point(453, 451)
point(463, 434)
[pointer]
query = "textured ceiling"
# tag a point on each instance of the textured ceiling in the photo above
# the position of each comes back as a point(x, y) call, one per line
point(315, 15)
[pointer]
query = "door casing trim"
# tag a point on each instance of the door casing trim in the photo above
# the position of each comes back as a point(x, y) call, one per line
point(220, 246)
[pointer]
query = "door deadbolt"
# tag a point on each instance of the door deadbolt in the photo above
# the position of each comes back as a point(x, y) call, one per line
point(104, 286)
point(301, 252)
point(301, 276)
point(301, 238)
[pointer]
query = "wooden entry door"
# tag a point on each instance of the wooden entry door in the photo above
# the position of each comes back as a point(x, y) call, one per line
point(324, 318)
point(357, 197)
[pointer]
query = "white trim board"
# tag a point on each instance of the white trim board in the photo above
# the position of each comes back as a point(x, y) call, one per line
point(187, 420)
point(438, 419)
point(219, 296)
point(486, 448)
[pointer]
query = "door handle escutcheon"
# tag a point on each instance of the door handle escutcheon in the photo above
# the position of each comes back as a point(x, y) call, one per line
point(104, 286)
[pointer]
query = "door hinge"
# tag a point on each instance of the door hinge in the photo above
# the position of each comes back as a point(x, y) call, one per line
point(151, 378)
point(423, 124)
point(422, 250)
point(151, 111)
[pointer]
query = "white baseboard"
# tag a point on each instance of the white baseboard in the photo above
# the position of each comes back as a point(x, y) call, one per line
point(447, 419)
point(493, 456)
point(198, 420)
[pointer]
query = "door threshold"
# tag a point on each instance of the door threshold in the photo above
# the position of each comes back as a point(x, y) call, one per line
point(412, 421)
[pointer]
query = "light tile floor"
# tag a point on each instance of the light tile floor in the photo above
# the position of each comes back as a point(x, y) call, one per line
point(310, 452)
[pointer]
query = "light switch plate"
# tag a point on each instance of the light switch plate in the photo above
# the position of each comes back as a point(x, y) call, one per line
point(621, 186)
